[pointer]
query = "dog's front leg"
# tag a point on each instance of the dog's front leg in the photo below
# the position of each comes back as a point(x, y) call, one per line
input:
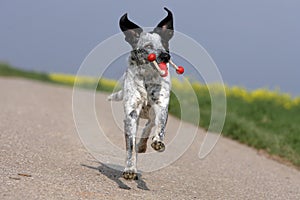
point(130, 125)
point(160, 122)
point(160, 108)
point(133, 99)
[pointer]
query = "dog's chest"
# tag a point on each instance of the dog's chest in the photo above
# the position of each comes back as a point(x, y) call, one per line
point(149, 83)
point(146, 73)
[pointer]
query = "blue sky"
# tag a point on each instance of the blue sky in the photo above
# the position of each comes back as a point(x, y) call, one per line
point(254, 43)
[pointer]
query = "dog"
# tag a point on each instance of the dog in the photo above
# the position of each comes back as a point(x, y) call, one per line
point(145, 93)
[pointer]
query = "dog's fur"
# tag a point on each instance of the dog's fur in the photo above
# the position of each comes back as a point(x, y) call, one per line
point(145, 93)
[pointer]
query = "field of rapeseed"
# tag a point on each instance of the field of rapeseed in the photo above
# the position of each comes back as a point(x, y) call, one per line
point(84, 82)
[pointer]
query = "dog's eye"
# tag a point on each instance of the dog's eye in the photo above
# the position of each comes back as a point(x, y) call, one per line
point(148, 46)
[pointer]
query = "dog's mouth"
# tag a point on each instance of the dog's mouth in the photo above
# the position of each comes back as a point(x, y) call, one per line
point(140, 56)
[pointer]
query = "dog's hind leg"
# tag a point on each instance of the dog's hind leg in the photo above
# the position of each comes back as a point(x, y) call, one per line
point(142, 145)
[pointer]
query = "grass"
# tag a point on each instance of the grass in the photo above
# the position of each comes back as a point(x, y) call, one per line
point(7, 70)
point(263, 119)
point(265, 124)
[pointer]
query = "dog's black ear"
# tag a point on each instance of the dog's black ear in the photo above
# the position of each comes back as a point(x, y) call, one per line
point(165, 28)
point(131, 30)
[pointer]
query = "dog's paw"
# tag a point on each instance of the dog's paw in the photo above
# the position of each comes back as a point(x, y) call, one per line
point(158, 146)
point(142, 148)
point(130, 174)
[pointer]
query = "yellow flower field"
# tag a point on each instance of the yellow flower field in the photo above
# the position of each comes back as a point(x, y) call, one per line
point(81, 80)
point(283, 99)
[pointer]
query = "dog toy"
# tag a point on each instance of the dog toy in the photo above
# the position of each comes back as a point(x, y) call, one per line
point(179, 69)
point(162, 66)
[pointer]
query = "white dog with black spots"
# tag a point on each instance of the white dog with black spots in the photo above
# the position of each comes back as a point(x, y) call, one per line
point(145, 93)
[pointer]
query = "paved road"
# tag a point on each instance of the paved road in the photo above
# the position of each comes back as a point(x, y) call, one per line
point(43, 158)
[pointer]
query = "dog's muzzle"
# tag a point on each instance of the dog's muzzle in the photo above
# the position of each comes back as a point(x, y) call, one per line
point(139, 56)
point(164, 57)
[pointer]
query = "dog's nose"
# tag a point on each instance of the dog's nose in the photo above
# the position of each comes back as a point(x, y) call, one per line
point(164, 57)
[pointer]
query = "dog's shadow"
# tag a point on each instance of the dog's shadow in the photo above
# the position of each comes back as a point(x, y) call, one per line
point(116, 175)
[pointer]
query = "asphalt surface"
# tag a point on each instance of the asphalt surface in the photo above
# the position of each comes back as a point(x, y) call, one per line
point(42, 157)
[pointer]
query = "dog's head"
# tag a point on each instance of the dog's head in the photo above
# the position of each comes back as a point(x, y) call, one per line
point(144, 43)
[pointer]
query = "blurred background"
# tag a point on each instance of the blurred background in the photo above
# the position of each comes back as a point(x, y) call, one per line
point(254, 43)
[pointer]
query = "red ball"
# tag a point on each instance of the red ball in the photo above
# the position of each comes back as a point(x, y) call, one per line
point(180, 70)
point(151, 57)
